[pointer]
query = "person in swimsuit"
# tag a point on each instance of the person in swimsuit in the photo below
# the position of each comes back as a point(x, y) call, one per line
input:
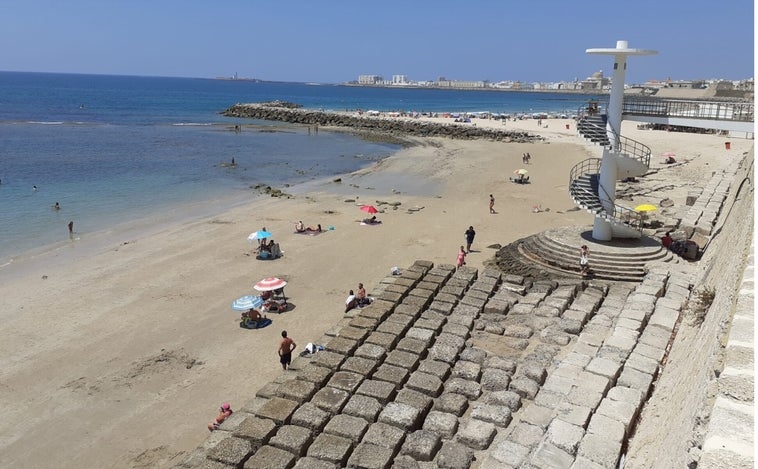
point(226, 411)
point(492, 204)
point(286, 346)
point(461, 258)
point(299, 227)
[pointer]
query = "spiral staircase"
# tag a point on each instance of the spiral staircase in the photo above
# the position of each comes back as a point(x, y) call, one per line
point(632, 159)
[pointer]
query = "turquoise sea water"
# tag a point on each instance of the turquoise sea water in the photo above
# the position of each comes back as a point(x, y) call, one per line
point(111, 149)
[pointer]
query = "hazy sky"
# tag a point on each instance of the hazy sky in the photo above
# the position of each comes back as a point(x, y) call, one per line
point(335, 41)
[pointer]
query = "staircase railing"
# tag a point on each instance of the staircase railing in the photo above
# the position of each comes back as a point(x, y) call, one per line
point(633, 148)
point(617, 213)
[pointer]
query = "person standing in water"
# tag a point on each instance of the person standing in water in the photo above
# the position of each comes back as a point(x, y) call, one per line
point(71, 229)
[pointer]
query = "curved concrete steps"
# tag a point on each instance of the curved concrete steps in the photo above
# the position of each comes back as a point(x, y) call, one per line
point(557, 250)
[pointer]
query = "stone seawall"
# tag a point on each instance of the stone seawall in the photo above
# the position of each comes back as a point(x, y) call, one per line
point(392, 126)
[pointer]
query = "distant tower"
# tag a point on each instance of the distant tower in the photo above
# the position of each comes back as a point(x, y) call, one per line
point(603, 229)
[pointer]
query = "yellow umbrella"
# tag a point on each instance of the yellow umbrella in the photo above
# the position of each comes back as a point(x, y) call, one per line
point(645, 208)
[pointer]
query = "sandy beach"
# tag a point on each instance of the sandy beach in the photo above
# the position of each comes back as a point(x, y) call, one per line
point(120, 358)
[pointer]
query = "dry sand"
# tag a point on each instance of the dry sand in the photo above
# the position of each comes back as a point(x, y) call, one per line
point(121, 357)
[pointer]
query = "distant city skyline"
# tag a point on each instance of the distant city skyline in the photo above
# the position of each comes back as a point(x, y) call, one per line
point(336, 41)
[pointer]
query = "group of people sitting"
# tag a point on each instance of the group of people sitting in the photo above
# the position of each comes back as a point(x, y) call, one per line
point(520, 179)
point(370, 221)
point(269, 250)
point(357, 300)
point(301, 228)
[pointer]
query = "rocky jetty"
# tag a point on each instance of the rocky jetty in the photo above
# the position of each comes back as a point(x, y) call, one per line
point(392, 126)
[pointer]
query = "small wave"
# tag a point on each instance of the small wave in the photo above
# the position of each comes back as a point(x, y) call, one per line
point(194, 123)
point(46, 122)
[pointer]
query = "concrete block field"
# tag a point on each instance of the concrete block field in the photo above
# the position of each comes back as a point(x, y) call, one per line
point(458, 369)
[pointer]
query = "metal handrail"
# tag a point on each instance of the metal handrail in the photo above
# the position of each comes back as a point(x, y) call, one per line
point(618, 213)
point(713, 110)
point(637, 150)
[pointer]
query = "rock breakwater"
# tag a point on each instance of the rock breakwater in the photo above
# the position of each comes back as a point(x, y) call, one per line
point(389, 125)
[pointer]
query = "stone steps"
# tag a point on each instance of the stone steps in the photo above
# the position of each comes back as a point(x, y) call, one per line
point(620, 265)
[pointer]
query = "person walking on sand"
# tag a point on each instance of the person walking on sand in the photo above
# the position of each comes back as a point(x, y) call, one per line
point(492, 204)
point(470, 233)
point(286, 346)
point(461, 258)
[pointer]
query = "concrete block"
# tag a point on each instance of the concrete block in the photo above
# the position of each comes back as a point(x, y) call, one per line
point(269, 457)
point(346, 380)
point(524, 387)
point(573, 414)
point(565, 436)
point(470, 389)
point(494, 379)
point(442, 423)
point(364, 407)
point(508, 399)
point(330, 399)
point(293, 439)
point(421, 445)
point(231, 451)
point(538, 416)
point(600, 450)
point(357, 365)
point(386, 340)
point(406, 360)
point(467, 370)
point(277, 409)
point(331, 448)
point(368, 456)
point(509, 453)
point(256, 430)
point(382, 391)
point(549, 456)
point(392, 374)
point(315, 374)
point(495, 414)
point(425, 383)
point(310, 416)
point(476, 434)
point(632, 378)
point(526, 435)
point(436, 368)
point(347, 426)
point(415, 346)
point(402, 416)
point(454, 455)
point(453, 403)
point(384, 436)
point(327, 359)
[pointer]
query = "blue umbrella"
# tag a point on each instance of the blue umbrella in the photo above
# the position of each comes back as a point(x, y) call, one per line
point(259, 235)
point(247, 302)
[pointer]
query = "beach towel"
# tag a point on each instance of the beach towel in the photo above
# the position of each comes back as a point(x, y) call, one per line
point(363, 223)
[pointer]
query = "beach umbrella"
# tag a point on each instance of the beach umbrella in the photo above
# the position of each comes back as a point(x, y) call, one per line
point(669, 153)
point(369, 208)
point(247, 302)
point(645, 208)
point(520, 171)
point(258, 235)
point(270, 284)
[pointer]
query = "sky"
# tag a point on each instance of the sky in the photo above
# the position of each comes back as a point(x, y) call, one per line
point(334, 41)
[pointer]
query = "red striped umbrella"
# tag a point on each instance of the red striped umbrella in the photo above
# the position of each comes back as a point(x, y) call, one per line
point(270, 284)
point(369, 209)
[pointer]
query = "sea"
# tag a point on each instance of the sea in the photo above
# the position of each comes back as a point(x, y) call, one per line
point(118, 150)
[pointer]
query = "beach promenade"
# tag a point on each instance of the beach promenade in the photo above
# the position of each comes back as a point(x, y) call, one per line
point(141, 347)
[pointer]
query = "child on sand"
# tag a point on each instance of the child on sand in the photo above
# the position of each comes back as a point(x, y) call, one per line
point(226, 411)
point(461, 258)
